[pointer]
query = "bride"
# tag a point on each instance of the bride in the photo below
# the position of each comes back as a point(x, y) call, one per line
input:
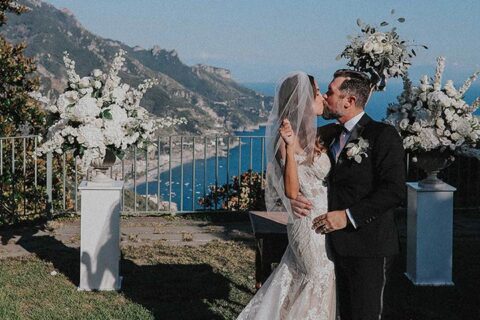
point(303, 285)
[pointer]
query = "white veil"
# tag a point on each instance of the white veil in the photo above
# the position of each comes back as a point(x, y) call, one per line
point(294, 97)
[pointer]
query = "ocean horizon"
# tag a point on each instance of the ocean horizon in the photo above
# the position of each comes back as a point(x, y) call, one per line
point(377, 106)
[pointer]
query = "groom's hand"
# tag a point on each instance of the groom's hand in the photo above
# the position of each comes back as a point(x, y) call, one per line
point(301, 206)
point(330, 221)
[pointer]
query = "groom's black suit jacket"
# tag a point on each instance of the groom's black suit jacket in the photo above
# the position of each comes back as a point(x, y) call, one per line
point(370, 190)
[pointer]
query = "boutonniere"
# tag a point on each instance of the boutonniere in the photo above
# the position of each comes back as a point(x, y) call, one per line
point(356, 150)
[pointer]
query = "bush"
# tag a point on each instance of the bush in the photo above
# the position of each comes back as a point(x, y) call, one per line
point(246, 194)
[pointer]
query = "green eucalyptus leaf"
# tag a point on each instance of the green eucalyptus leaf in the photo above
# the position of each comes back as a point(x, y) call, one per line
point(107, 115)
point(401, 20)
point(384, 23)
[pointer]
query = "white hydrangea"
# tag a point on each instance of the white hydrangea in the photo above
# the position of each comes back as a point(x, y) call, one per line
point(66, 99)
point(113, 134)
point(119, 114)
point(439, 119)
point(85, 110)
point(97, 113)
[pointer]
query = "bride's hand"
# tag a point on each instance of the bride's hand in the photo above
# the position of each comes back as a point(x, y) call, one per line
point(286, 132)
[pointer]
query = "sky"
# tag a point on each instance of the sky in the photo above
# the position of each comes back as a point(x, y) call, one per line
point(261, 40)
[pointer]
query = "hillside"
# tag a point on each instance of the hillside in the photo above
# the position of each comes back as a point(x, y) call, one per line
point(207, 96)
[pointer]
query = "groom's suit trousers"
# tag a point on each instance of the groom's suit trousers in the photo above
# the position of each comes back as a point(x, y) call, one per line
point(361, 284)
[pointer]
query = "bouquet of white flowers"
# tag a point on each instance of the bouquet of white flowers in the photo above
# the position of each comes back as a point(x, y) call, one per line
point(98, 113)
point(382, 54)
point(429, 117)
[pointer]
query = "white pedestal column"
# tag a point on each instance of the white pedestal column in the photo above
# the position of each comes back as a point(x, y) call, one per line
point(100, 235)
point(430, 234)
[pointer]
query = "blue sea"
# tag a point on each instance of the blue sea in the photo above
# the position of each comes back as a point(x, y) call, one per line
point(249, 155)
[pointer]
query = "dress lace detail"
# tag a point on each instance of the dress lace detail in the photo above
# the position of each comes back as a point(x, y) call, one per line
point(303, 284)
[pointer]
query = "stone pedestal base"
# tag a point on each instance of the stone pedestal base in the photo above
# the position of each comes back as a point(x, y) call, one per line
point(100, 235)
point(430, 234)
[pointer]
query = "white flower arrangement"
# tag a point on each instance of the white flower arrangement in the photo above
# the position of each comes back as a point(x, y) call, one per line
point(97, 113)
point(357, 150)
point(429, 117)
point(382, 54)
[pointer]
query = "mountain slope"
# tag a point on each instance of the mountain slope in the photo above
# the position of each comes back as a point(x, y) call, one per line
point(205, 95)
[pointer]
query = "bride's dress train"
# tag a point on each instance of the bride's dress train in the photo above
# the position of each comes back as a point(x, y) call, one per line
point(303, 284)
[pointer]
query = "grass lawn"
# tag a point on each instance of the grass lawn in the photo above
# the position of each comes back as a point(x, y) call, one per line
point(213, 281)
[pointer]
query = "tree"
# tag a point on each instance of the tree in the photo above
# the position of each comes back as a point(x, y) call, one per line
point(20, 114)
point(18, 110)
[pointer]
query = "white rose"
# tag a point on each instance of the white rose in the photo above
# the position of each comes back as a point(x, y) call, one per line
point(84, 83)
point(388, 48)
point(455, 136)
point(404, 124)
point(97, 84)
point(86, 91)
point(368, 47)
point(81, 139)
point(353, 150)
point(377, 48)
point(416, 127)
point(408, 142)
point(440, 123)
point(448, 115)
point(454, 125)
point(97, 73)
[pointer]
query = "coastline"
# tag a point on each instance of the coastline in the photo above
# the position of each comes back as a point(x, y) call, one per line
point(154, 171)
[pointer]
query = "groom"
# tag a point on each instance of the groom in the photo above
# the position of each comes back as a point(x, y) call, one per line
point(366, 182)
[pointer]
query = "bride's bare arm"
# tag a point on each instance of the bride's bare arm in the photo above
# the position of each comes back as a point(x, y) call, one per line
point(288, 150)
point(292, 186)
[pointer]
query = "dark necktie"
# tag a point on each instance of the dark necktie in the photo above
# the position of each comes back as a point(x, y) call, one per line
point(341, 141)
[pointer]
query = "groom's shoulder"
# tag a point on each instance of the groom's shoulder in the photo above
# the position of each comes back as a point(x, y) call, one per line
point(380, 127)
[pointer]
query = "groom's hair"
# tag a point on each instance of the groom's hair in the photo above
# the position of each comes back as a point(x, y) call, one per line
point(357, 84)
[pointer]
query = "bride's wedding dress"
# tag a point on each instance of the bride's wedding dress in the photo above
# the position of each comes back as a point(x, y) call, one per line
point(303, 285)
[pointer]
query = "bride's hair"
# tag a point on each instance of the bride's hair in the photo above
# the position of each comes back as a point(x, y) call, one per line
point(285, 93)
point(294, 100)
point(287, 88)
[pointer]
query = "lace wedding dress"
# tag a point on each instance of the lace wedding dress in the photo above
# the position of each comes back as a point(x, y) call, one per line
point(303, 285)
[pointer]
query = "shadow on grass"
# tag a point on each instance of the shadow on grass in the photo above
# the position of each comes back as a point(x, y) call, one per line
point(168, 291)
point(405, 301)
point(184, 291)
